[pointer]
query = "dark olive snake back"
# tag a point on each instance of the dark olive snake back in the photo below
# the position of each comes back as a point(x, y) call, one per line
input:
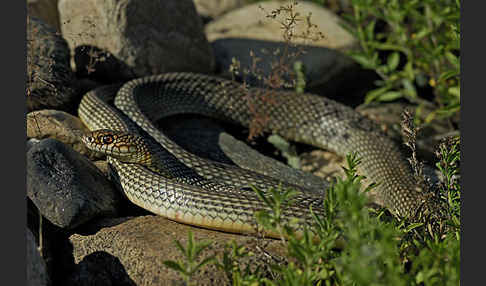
point(303, 118)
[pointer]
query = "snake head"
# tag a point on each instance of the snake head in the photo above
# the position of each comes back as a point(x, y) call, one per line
point(124, 146)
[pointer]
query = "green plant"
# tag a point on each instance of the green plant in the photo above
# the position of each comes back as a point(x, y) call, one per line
point(410, 44)
point(449, 158)
point(275, 198)
point(350, 244)
point(314, 256)
point(191, 254)
point(237, 273)
point(437, 263)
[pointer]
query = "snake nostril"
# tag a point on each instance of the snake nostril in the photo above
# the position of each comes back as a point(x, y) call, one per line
point(88, 139)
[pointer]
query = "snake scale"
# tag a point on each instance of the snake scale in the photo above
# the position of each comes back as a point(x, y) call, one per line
point(186, 188)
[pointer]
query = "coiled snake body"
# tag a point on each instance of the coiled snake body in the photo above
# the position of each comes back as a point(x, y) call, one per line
point(189, 189)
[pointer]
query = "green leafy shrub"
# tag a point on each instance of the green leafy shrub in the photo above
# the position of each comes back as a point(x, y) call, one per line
point(188, 267)
point(351, 244)
point(413, 46)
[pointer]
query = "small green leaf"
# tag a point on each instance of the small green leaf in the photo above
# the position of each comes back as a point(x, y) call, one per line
point(430, 117)
point(293, 161)
point(413, 226)
point(384, 69)
point(262, 196)
point(393, 61)
point(279, 142)
point(409, 71)
point(391, 47)
point(364, 61)
point(452, 59)
point(390, 96)
point(447, 75)
point(455, 90)
point(200, 247)
point(286, 149)
point(180, 247)
point(370, 30)
point(204, 262)
point(372, 95)
point(422, 33)
point(449, 110)
point(420, 277)
point(409, 88)
point(174, 266)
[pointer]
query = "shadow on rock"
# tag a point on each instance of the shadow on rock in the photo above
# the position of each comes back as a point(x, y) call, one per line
point(98, 64)
point(327, 72)
point(99, 268)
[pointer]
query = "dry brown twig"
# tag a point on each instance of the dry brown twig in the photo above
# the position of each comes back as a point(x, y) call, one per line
point(281, 74)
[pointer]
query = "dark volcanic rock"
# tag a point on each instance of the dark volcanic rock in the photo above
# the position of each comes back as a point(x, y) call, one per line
point(36, 266)
point(66, 187)
point(49, 75)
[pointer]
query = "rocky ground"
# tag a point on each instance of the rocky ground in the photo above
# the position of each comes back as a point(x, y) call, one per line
point(89, 234)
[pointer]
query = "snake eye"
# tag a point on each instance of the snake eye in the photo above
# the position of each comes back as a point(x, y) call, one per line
point(107, 139)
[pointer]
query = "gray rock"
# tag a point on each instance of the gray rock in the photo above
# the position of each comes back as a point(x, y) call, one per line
point(83, 85)
point(49, 75)
point(31, 142)
point(324, 164)
point(36, 266)
point(134, 251)
point(66, 187)
point(250, 22)
point(215, 8)
point(62, 126)
point(45, 10)
point(122, 39)
point(104, 167)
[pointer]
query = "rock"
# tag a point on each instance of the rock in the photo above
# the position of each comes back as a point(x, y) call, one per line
point(326, 71)
point(100, 268)
point(211, 9)
point(45, 10)
point(36, 267)
point(66, 187)
point(49, 75)
point(324, 164)
point(83, 85)
point(61, 126)
point(250, 22)
point(123, 39)
point(31, 142)
point(104, 167)
point(133, 253)
point(56, 250)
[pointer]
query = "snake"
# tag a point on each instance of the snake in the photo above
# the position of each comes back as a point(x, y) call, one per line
point(158, 175)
